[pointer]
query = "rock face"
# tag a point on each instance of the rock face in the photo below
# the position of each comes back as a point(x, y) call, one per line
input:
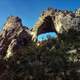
point(12, 23)
point(58, 21)
point(13, 34)
point(57, 59)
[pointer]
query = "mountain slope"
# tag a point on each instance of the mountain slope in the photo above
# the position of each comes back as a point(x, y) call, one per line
point(58, 59)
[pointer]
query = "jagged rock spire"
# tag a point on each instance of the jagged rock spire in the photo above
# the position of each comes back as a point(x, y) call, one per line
point(12, 22)
point(13, 30)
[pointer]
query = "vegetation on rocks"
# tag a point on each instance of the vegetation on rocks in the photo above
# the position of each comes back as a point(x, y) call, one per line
point(45, 63)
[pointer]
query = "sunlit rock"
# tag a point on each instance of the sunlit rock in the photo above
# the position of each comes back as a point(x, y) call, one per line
point(13, 29)
point(78, 12)
point(54, 20)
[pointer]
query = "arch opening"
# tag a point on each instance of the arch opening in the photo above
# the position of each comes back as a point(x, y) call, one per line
point(46, 30)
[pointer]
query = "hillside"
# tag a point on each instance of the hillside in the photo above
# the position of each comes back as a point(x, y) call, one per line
point(54, 59)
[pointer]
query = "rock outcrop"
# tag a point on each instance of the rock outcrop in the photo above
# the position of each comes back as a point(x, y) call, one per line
point(55, 59)
point(13, 34)
point(58, 21)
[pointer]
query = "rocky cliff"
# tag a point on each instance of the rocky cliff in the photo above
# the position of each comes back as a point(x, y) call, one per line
point(21, 59)
point(14, 35)
point(59, 21)
point(51, 20)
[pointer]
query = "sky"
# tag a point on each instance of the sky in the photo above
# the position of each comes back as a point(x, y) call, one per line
point(30, 10)
point(46, 36)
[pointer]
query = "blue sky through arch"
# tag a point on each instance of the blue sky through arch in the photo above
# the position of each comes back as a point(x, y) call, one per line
point(45, 36)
